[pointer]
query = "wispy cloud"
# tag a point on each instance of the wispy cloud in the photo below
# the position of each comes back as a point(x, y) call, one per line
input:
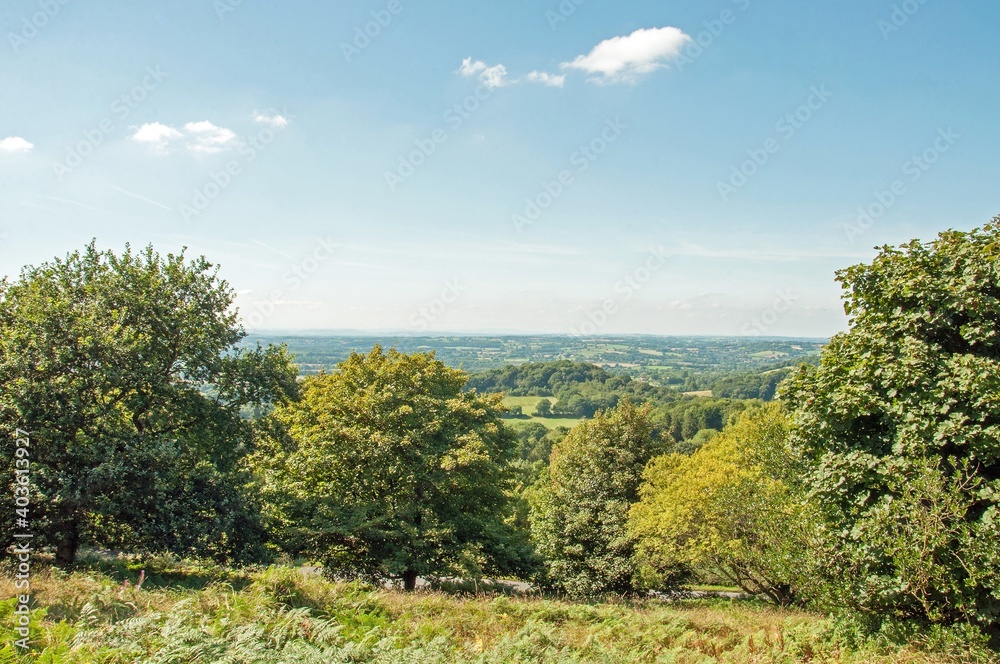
point(199, 138)
point(491, 76)
point(497, 76)
point(141, 198)
point(207, 138)
point(269, 247)
point(552, 80)
point(626, 59)
point(69, 201)
point(16, 144)
point(617, 60)
point(275, 120)
point(775, 254)
point(157, 135)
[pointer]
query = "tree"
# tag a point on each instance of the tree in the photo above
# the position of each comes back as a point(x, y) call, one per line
point(126, 371)
point(388, 470)
point(543, 408)
point(580, 508)
point(727, 510)
point(535, 440)
point(514, 412)
point(900, 427)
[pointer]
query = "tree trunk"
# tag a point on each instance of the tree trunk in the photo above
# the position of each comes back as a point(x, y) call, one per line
point(68, 544)
point(410, 580)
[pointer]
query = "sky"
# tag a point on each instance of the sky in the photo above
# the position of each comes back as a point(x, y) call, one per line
point(576, 167)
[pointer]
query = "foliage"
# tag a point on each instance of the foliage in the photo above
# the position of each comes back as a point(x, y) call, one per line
point(125, 371)
point(580, 507)
point(728, 510)
point(514, 412)
point(750, 385)
point(285, 615)
point(900, 426)
point(388, 470)
point(683, 420)
point(580, 389)
point(535, 440)
point(538, 378)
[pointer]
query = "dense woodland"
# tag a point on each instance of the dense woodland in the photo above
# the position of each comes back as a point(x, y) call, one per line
point(864, 486)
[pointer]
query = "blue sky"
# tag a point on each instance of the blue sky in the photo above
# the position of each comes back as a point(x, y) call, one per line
point(585, 167)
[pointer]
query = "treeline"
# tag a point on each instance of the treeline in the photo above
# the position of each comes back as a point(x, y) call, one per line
point(579, 389)
point(750, 385)
point(870, 490)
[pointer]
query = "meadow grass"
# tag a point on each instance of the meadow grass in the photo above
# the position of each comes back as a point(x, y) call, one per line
point(528, 405)
point(185, 613)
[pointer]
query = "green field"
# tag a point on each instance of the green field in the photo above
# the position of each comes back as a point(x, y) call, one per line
point(528, 405)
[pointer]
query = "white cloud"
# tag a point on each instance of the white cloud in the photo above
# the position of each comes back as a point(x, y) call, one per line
point(624, 59)
point(202, 137)
point(495, 77)
point(277, 121)
point(157, 135)
point(552, 80)
point(209, 138)
point(492, 77)
point(16, 144)
point(470, 68)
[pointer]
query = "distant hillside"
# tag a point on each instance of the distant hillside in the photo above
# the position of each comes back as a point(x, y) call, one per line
point(690, 363)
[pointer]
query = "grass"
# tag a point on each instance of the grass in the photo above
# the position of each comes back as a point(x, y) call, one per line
point(100, 614)
point(528, 406)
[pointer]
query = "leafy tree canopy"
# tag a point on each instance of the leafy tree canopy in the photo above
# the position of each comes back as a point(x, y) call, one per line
point(126, 372)
point(727, 510)
point(900, 426)
point(388, 470)
point(580, 507)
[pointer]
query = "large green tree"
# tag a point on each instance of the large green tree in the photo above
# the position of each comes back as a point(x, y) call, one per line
point(728, 510)
point(900, 428)
point(580, 507)
point(125, 371)
point(386, 469)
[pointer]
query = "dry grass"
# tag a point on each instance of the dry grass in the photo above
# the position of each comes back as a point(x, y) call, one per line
point(197, 614)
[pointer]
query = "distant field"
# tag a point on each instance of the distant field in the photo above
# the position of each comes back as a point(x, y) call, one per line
point(699, 393)
point(528, 405)
point(632, 355)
